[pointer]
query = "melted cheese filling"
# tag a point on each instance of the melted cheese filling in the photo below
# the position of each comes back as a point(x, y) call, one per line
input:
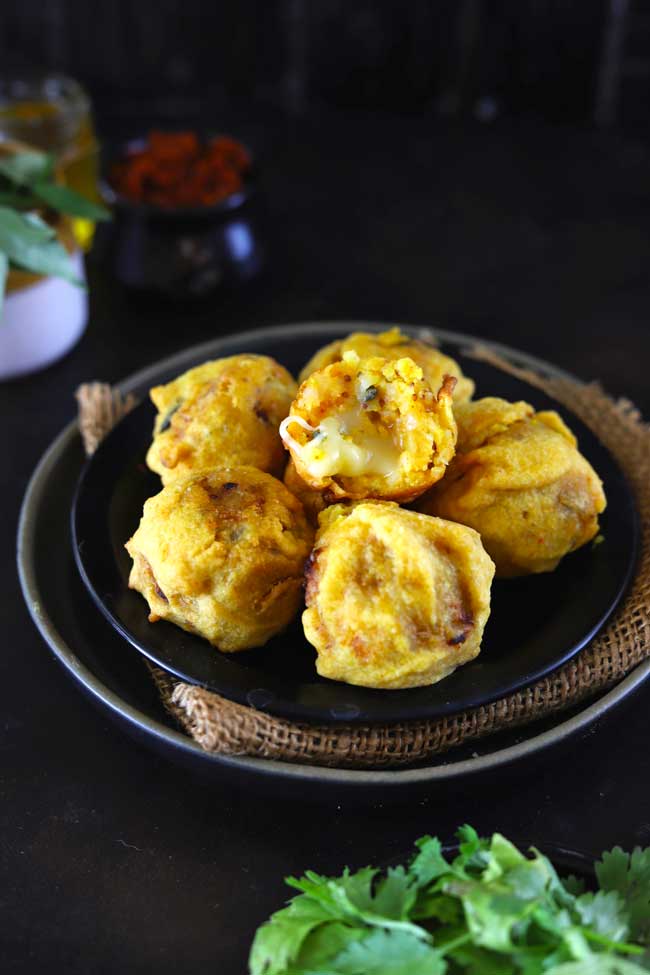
point(333, 448)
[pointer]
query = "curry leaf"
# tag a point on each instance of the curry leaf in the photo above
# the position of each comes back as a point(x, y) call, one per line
point(65, 200)
point(29, 243)
point(26, 168)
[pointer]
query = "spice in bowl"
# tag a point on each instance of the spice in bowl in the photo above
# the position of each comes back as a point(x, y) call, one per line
point(178, 169)
point(187, 213)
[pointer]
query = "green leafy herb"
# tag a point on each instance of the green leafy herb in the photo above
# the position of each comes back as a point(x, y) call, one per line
point(19, 199)
point(629, 875)
point(30, 243)
point(30, 179)
point(490, 909)
point(27, 168)
point(385, 953)
point(26, 241)
point(65, 200)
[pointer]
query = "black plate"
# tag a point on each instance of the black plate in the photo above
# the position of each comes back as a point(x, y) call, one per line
point(537, 622)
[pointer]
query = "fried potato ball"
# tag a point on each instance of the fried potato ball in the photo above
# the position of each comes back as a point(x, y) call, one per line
point(371, 428)
point(220, 414)
point(393, 344)
point(519, 479)
point(394, 598)
point(221, 554)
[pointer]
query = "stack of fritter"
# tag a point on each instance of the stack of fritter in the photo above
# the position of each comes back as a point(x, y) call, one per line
point(394, 597)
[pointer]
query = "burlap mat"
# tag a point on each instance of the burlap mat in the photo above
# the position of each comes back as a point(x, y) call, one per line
point(221, 726)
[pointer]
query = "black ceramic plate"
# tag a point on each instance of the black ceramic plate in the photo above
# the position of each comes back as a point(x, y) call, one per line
point(536, 624)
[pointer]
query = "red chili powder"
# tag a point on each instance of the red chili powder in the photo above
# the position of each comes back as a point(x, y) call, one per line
point(177, 169)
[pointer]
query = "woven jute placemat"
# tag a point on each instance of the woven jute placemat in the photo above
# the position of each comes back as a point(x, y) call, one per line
point(226, 728)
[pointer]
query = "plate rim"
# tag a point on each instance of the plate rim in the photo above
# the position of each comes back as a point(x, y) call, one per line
point(139, 721)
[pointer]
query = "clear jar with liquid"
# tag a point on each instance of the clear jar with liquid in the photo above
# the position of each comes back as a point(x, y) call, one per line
point(53, 113)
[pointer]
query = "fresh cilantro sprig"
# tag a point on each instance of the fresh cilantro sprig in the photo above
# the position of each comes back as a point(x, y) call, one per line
point(489, 910)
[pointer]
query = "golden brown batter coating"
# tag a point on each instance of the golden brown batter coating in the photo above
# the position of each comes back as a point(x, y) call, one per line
point(395, 345)
point(394, 598)
point(313, 501)
point(221, 414)
point(221, 553)
point(371, 428)
point(519, 479)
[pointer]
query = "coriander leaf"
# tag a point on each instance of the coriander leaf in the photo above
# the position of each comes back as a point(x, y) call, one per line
point(604, 913)
point(26, 168)
point(346, 895)
point(561, 894)
point(395, 894)
point(473, 850)
point(475, 959)
point(65, 200)
point(279, 940)
point(574, 885)
point(629, 875)
point(597, 965)
point(385, 953)
point(612, 870)
point(443, 908)
point(358, 887)
point(576, 942)
point(429, 863)
point(552, 920)
point(492, 911)
point(529, 880)
point(349, 897)
point(503, 856)
point(324, 943)
point(490, 914)
point(469, 842)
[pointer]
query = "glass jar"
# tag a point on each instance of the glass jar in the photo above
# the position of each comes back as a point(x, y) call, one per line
point(53, 113)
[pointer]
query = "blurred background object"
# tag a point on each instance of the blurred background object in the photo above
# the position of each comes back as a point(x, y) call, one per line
point(469, 163)
point(53, 113)
point(542, 56)
point(186, 213)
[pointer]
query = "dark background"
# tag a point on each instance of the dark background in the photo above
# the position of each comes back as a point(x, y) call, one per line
point(556, 59)
point(388, 199)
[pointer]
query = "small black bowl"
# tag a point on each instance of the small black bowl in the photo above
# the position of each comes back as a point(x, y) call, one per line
point(184, 251)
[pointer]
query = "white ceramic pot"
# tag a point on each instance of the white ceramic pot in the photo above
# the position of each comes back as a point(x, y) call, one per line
point(41, 322)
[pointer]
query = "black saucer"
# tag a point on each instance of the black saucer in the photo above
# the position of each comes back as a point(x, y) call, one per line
point(537, 622)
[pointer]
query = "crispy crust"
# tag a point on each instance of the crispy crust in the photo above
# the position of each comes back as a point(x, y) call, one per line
point(221, 554)
point(221, 414)
point(394, 598)
point(520, 482)
point(393, 344)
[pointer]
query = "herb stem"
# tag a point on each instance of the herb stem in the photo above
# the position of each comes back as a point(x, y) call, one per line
point(620, 946)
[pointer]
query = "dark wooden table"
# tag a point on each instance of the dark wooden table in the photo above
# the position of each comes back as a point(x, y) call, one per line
point(112, 859)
